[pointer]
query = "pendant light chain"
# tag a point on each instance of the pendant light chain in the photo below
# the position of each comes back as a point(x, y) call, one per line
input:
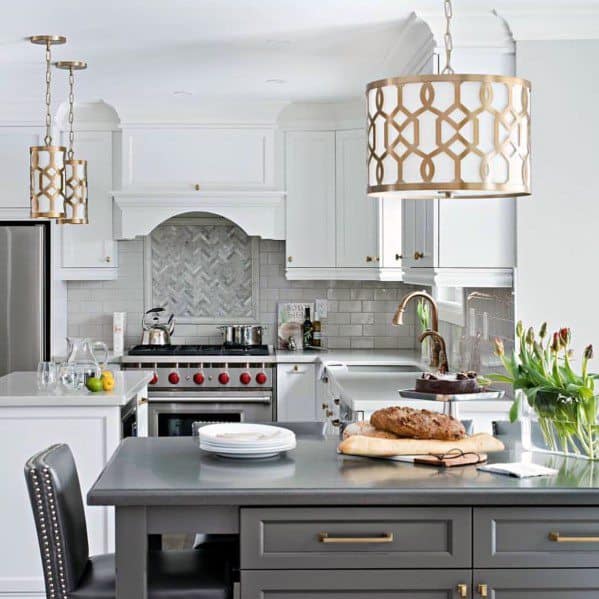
point(448, 70)
point(71, 152)
point(48, 137)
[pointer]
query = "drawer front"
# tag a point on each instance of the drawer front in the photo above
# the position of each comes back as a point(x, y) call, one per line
point(326, 538)
point(536, 537)
point(537, 584)
point(357, 584)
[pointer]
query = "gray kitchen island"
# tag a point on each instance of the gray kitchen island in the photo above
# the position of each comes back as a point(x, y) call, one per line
point(317, 524)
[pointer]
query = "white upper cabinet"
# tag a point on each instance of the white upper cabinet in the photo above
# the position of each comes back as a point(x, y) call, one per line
point(333, 229)
point(88, 251)
point(181, 158)
point(310, 222)
point(357, 214)
point(14, 161)
point(459, 242)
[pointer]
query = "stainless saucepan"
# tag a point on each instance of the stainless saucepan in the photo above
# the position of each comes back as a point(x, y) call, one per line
point(242, 334)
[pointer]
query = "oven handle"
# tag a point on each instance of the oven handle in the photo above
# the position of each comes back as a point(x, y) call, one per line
point(210, 399)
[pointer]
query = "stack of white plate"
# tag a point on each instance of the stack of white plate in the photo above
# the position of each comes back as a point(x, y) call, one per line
point(243, 440)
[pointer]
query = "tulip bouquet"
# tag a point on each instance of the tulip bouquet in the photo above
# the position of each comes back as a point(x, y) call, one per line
point(564, 401)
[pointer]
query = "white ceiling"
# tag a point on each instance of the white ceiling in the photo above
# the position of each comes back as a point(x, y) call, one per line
point(315, 50)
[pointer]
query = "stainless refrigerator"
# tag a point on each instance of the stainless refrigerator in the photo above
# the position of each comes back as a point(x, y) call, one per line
point(24, 295)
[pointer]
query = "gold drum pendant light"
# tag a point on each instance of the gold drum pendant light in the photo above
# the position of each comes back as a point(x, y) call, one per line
point(46, 163)
point(449, 135)
point(75, 202)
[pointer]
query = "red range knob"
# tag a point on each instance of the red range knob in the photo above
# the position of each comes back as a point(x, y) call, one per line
point(223, 378)
point(261, 378)
point(173, 378)
point(154, 379)
point(198, 378)
point(245, 378)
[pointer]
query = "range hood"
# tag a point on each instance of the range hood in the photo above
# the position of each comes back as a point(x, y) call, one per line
point(259, 213)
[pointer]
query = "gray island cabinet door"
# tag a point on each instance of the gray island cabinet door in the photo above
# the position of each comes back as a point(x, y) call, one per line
point(355, 537)
point(357, 584)
point(536, 537)
point(536, 584)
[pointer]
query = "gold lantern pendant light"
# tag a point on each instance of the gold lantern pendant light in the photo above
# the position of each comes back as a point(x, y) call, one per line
point(449, 135)
point(75, 202)
point(46, 163)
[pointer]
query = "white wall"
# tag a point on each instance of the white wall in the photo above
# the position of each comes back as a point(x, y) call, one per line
point(558, 227)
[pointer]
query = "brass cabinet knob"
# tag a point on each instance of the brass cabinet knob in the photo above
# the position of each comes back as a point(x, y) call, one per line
point(398, 256)
point(197, 187)
point(418, 255)
point(108, 259)
point(289, 258)
point(329, 413)
point(336, 422)
point(462, 590)
point(295, 368)
point(325, 406)
point(483, 590)
point(378, 258)
point(369, 258)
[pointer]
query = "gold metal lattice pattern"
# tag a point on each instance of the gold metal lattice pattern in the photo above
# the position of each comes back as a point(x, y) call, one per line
point(462, 136)
point(75, 202)
point(47, 180)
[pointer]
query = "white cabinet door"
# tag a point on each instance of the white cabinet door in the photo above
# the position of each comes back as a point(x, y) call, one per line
point(390, 232)
point(14, 164)
point(296, 392)
point(178, 158)
point(92, 433)
point(357, 214)
point(91, 246)
point(419, 233)
point(310, 222)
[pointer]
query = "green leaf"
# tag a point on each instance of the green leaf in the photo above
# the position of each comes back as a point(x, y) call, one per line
point(500, 378)
point(515, 410)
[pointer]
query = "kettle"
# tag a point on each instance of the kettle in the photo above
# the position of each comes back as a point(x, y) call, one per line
point(156, 329)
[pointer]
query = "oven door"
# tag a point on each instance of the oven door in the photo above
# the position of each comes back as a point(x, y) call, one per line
point(173, 414)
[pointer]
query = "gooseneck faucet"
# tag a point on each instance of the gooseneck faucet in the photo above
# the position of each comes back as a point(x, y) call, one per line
point(438, 341)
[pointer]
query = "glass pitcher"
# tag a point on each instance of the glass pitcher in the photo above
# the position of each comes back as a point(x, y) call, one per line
point(81, 352)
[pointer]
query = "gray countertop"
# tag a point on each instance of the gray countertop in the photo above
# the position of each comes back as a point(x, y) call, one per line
point(174, 471)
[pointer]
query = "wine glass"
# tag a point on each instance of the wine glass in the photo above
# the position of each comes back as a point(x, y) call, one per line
point(46, 376)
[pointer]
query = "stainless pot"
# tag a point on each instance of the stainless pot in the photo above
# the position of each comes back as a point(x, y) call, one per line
point(242, 334)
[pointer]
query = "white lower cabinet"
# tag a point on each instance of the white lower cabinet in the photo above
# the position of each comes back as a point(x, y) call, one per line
point(333, 229)
point(296, 393)
point(92, 433)
point(89, 251)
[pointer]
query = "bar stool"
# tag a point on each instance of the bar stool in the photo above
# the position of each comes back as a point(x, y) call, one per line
point(70, 572)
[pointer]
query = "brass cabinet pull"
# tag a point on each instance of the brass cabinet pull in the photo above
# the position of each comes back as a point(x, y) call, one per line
point(386, 537)
point(197, 187)
point(418, 255)
point(378, 258)
point(557, 538)
point(289, 258)
point(399, 256)
point(369, 258)
point(108, 259)
point(336, 422)
point(483, 590)
point(462, 590)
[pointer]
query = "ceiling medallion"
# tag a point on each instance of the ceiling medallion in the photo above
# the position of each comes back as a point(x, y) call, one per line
point(75, 199)
point(46, 163)
point(449, 135)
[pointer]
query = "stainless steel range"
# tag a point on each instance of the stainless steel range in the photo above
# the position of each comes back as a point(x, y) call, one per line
point(203, 383)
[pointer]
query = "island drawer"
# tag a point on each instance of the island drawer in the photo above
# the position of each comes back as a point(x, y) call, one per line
point(357, 584)
point(536, 537)
point(355, 537)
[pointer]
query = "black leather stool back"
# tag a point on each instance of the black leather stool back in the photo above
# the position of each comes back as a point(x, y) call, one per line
point(57, 505)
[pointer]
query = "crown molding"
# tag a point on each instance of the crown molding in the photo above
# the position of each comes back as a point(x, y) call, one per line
point(484, 30)
point(552, 23)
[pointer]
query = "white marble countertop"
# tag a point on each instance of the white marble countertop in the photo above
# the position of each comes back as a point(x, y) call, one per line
point(19, 389)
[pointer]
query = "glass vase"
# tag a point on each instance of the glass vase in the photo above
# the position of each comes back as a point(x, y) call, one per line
point(555, 423)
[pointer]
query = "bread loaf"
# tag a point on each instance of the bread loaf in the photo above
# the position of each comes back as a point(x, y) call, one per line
point(367, 430)
point(374, 447)
point(417, 424)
